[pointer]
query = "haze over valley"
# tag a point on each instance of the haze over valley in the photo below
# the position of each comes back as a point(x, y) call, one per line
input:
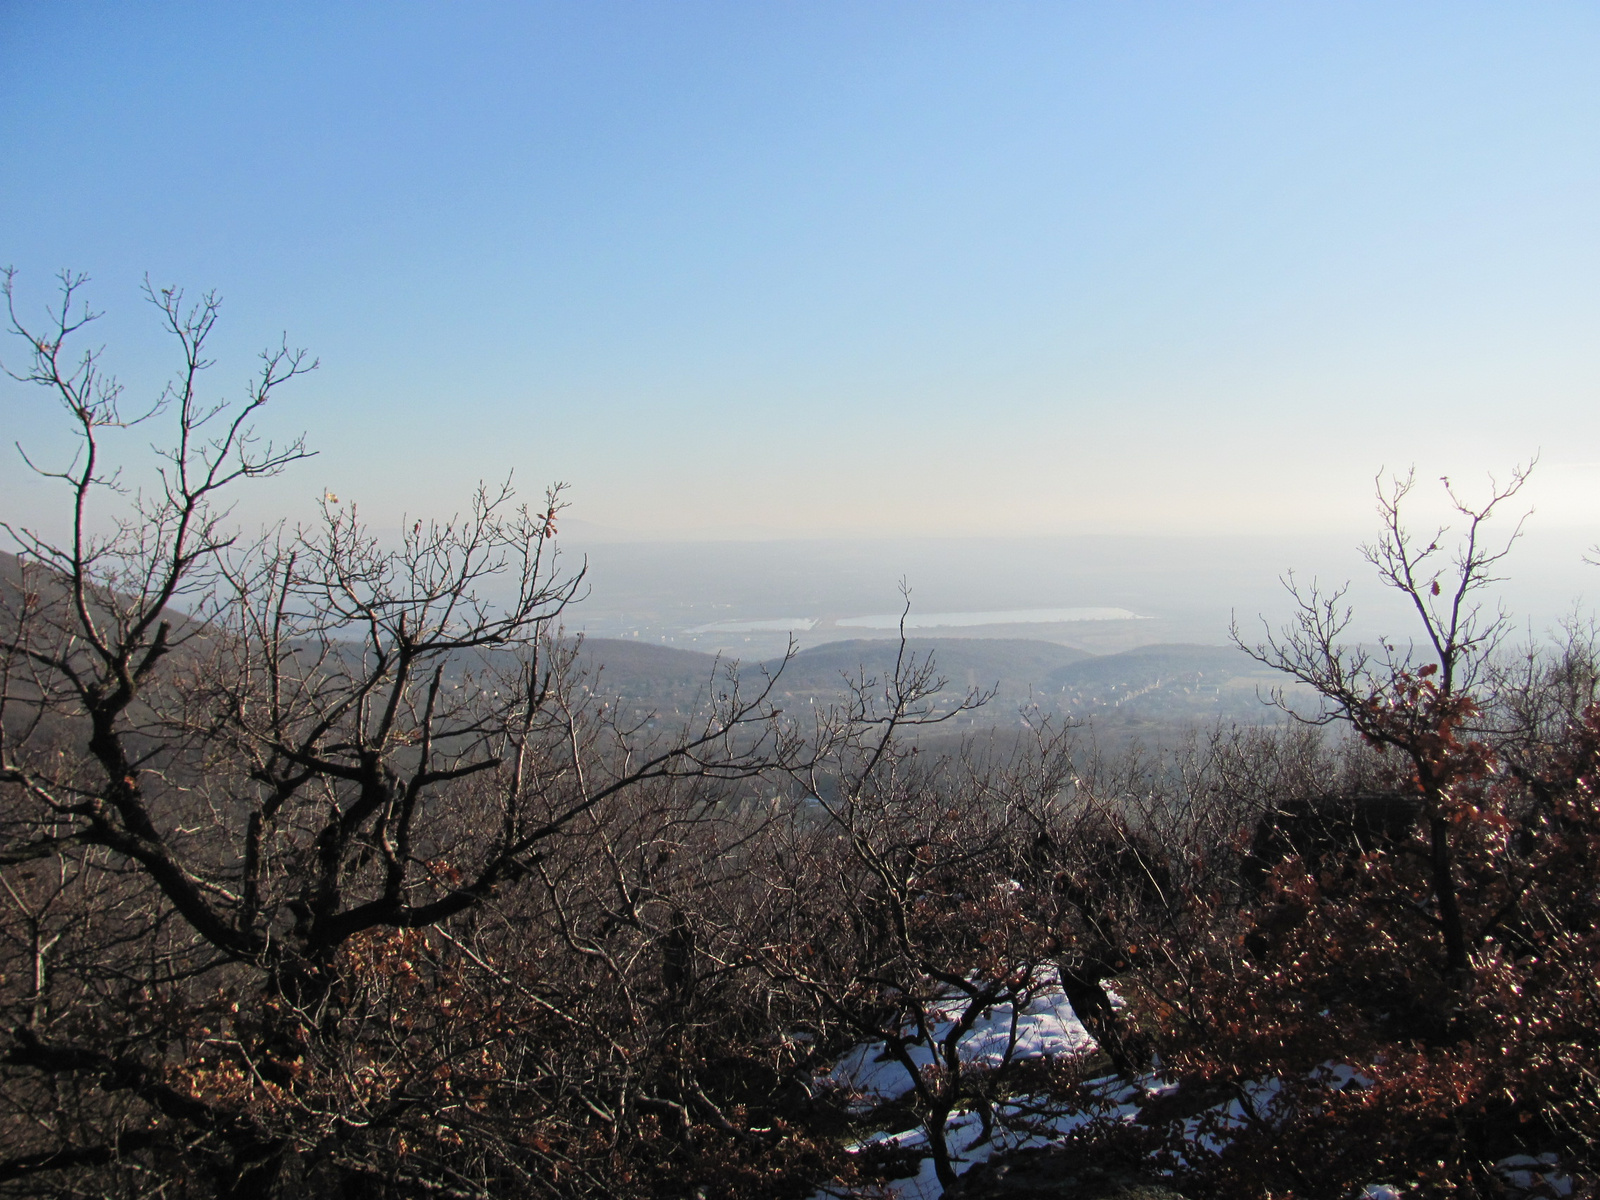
point(1101, 594)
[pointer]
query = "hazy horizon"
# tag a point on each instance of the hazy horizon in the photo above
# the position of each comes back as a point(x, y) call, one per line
point(694, 595)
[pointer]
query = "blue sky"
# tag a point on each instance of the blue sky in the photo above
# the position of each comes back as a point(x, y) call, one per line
point(807, 269)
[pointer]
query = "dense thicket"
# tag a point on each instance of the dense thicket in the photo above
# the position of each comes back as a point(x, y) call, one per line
point(325, 874)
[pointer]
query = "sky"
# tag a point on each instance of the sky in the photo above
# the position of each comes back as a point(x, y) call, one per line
point(823, 269)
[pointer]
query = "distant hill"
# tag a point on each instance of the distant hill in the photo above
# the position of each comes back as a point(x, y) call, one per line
point(52, 587)
point(1152, 690)
point(1149, 664)
point(1167, 683)
point(645, 673)
point(1015, 664)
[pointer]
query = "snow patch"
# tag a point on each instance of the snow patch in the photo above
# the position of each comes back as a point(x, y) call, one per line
point(1045, 1028)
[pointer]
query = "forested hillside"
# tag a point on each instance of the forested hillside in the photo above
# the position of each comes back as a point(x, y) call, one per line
point(1158, 693)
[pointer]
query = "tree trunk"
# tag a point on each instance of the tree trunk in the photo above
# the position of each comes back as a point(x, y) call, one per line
point(1444, 889)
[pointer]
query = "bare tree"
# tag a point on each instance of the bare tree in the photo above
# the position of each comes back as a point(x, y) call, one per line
point(278, 764)
point(1414, 698)
point(896, 916)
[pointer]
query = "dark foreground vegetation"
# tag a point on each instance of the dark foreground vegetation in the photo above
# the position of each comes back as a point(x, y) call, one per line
point(323, 875)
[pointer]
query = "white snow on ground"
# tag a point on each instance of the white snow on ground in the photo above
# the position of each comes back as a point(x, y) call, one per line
point(1016, 1126)
point(1522, 1173)
point(1045, 1028)
point(1210, 1130)
point(1525, 1172)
